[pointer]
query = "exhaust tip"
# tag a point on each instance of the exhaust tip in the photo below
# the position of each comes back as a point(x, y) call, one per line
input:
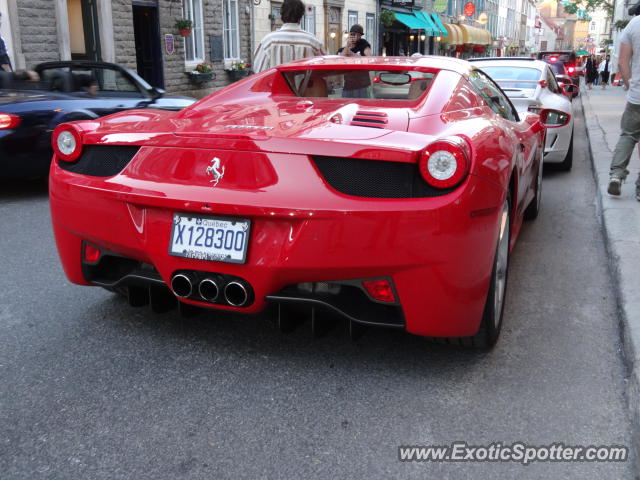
point(181, 285)
point(209, 290)
point(235, 293)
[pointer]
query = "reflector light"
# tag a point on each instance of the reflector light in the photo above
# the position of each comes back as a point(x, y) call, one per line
point(445, 163)
point(91, 253)
point(8, 120)
point(553, 59)
point(571, 69)
point(380, 290)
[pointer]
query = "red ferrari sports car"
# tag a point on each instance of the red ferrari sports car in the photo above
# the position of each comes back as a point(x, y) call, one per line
point(388, 191)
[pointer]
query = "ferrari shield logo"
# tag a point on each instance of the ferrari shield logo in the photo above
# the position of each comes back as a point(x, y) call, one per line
point(214, 170)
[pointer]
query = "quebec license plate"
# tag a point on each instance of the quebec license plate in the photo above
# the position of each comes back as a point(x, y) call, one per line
point(209, 238)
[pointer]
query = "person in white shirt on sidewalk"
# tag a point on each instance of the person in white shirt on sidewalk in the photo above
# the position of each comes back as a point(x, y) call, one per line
point(289, 42)
point(604, 69)
point(629, 69)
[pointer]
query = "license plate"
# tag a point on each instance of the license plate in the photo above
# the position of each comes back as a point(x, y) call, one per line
point(209, 238)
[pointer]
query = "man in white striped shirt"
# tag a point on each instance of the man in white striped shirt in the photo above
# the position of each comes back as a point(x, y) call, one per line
point(289, 42)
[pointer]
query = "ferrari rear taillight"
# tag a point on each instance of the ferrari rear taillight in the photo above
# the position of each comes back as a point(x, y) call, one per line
point(67, 142)
point(445, 163)
point(380, 290)
point(8, 120)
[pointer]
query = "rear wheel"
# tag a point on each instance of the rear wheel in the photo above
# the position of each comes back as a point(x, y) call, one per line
point(567, 163)
point(491, 323)
point(531, 213)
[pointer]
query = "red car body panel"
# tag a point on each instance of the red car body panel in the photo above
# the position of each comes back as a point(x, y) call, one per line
point(438, 251)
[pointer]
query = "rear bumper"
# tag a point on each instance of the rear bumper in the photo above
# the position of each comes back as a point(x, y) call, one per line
point(438, 252)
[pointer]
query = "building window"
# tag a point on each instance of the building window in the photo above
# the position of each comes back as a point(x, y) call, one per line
point(194, 45)
point(352, 19)
point(230, 27)
point(308, 22)
point(370, 31)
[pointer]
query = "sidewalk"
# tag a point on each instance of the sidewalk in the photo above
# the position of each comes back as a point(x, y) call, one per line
point(621, 222)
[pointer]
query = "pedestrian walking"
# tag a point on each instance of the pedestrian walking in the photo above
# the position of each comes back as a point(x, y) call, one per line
point(356, 84)
point(590, 72)
point(604, 71)
point(289, 42)
point(629, 69)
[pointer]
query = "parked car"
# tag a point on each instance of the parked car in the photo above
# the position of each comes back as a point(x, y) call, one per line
point(531, 85)
point(278, 190)
point(65, 91)
point(567, 58)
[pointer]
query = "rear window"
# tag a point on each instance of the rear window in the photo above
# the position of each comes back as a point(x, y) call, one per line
point(359, 83)
point(513, 77)
point(558, 68)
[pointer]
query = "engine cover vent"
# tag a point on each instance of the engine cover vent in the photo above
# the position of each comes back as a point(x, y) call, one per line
point(364, 118)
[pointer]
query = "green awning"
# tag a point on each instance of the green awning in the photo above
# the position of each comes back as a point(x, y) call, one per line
point(436, 20)
point(410, 21)
point(429, 27)
point(580, 53)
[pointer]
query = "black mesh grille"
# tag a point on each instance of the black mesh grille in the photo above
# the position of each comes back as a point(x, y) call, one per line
point(101, 160)
point(375, 178)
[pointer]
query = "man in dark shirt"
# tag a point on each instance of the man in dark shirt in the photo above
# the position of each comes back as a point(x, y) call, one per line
point(356, 84)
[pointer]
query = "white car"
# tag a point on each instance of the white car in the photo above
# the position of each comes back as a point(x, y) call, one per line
point(531, 86)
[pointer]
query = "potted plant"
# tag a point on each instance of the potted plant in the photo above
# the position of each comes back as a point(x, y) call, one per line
point(183, 25)
point(387, 17)
point(202, 73)
point(237, 69)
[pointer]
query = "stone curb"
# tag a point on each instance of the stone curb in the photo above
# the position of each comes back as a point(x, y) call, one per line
point(624, 275)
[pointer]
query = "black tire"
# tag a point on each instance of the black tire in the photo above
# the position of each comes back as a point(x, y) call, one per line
point(491, 323)
point(567, 163)
point(533, 209)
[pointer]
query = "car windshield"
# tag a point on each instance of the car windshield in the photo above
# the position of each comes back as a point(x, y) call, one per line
point(359, 83)
point(513, 77)
point(108, 82)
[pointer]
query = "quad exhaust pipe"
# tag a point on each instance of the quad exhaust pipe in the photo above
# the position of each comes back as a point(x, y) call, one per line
point(182, 285)
point(212, 288)
point(236, 294)
point(209, 289)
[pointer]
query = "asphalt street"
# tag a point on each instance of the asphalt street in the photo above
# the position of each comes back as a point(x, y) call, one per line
point(91, 388)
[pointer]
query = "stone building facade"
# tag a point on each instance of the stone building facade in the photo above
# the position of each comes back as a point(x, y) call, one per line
point(138, 34)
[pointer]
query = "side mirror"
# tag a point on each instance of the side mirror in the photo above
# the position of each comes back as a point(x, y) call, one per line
point(551, 118)
point(570, 89)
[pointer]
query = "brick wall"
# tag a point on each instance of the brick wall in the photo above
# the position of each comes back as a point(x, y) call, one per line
point(38, 31)
point(123, 38)
point(176, 80)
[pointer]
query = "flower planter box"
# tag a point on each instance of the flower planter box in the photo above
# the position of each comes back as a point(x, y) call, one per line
point(236, 75)
point(199, 78)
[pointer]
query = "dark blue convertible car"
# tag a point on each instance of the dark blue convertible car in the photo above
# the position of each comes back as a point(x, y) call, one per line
point(31, 109)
